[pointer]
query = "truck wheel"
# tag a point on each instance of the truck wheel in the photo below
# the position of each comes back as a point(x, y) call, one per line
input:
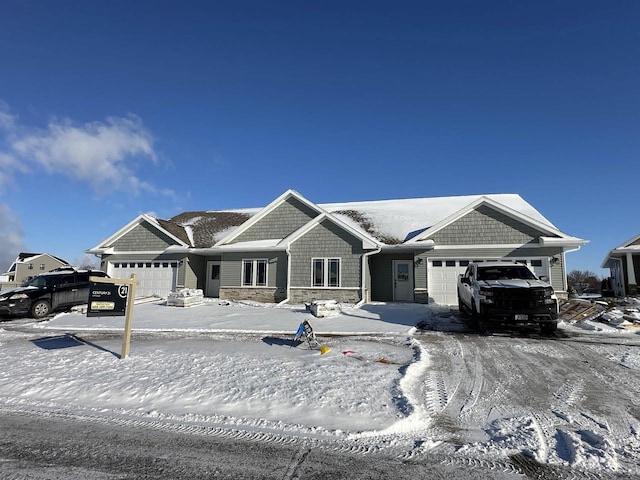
point(40, 309)
point(461, 307)
point(548, 328)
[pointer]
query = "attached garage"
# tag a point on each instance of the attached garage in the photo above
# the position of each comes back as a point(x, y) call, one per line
point(443, 280)
point(443, 276)
point(154, 278)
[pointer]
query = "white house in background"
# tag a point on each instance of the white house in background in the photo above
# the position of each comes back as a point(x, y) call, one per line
point(624, 264)
point(293, 250)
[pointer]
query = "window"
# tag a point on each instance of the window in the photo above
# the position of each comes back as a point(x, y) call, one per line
point(254, 273)
point(536, 263)
point(30, 266)
point(436, 263)
point(325, 272)
point(42, 266)
point(450, 263)
point(464, 263)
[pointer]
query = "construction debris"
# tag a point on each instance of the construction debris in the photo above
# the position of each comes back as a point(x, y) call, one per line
point(577, 310)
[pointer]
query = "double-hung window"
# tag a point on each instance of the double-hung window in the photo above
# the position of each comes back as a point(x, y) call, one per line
point(325, 272)
point(254, 272)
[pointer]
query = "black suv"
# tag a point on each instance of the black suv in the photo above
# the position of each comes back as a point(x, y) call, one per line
point(56, 290)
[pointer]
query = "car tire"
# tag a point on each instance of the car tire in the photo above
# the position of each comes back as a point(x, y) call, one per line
point(548, 328)
point(40, 309)
point(461, 306)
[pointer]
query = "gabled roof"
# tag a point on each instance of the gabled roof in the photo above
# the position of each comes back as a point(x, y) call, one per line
point(265, 211)
point(630, 246)
point(25, 257)
point(554, 236)
point(160, 225)
point(384, 222)
point(367, 241)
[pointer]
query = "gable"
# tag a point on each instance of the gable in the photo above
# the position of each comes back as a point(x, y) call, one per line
point(635, 243)
point(142, 238)
point(486, 226)
point(280, 222)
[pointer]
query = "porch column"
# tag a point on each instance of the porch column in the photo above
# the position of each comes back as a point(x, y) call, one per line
point(631, 276)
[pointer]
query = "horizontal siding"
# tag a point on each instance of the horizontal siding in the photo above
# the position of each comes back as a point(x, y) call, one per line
point(231, 268)
point(382, 274)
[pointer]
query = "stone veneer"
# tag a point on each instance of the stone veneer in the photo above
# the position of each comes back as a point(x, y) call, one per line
point(263, 295)
point(302, 295)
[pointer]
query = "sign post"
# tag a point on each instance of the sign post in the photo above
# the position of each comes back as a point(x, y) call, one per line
point(110, 297)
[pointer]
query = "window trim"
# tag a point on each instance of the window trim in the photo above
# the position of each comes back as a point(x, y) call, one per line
point(254, 262)
point(326, 269)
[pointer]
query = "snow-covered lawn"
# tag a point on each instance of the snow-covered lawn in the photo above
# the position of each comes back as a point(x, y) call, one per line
point(220, 362)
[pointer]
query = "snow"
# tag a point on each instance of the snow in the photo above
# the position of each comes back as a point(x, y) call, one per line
point(234, 365)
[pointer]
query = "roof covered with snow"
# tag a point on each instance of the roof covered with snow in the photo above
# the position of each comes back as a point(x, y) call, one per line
point(387, 221)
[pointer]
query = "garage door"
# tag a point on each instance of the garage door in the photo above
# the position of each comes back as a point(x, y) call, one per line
point(443, 277)
point(154, 278)
point(443, 280)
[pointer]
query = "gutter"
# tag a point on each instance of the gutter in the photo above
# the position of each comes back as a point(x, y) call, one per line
point(286, 300)
point(362, 281)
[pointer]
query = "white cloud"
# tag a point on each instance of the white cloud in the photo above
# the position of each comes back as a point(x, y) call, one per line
point(102, 154)
point(7, 120)
point(11, 238)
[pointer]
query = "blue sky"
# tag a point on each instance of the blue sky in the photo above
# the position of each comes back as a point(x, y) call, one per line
point(109, 109)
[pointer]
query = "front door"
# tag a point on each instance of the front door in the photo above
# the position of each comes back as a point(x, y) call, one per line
point(402, 281)
point(213, 279)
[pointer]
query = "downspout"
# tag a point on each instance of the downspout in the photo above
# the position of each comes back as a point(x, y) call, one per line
point(564, 268)
point(286, 300)
point(362, 281)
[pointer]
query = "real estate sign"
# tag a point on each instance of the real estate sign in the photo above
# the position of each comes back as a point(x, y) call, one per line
point(110, 297)
point(107, 299)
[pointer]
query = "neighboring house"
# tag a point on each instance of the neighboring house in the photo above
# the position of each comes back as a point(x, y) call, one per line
point(28, 265)
point(294, 250)
point(624, 264)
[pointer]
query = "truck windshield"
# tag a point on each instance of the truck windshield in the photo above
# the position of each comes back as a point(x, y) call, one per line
point(505, 273)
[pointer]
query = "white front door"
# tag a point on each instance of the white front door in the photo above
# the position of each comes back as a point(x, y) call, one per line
point(213, 279)
point(402, 281)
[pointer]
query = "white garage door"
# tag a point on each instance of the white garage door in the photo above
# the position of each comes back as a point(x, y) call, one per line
point(443, 280)
point(154, 278)
point(443, 276)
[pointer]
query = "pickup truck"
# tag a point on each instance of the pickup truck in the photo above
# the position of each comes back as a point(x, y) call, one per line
point(508, 293)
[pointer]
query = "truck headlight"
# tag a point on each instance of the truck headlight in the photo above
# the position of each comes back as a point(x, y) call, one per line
point(487, 294)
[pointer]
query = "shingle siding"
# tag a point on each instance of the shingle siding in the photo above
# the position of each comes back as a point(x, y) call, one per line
point(280, 223)
point(143, 238)
point(485, 226)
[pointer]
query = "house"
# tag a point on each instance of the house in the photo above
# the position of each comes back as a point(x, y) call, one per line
point(296, 251)
point(28, 265)
point(624, 264)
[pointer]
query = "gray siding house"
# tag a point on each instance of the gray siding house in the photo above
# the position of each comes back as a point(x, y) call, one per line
point(295, 251)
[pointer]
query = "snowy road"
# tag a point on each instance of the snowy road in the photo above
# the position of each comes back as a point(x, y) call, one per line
point(571, 401)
